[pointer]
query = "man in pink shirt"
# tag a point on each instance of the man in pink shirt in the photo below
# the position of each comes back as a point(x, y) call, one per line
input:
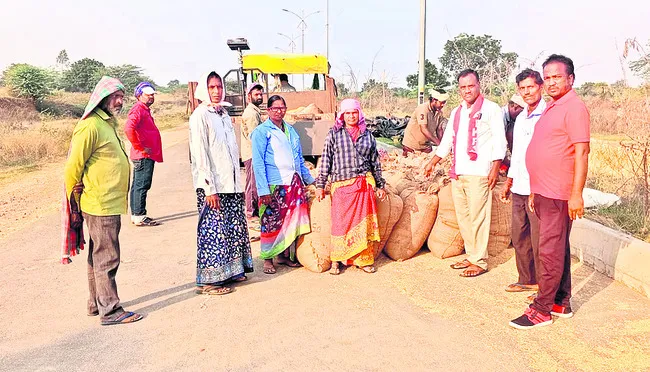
point(146, 150)
point(557, 161)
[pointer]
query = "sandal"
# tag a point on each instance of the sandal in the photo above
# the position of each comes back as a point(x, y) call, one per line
point(92, 313)
point(518, 287)
point(212, 290)
point(254, 239)
point(289, 263)
point(464, 264)
point(242, 278)
point(532, 297)
point(336, 269)
point(269, 269)
point(124, 318)
point(473, 271)
point(369, 269)
point(148, 222)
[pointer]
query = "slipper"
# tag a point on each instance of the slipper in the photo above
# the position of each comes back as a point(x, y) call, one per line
point(269, 270)
point(532, 297)
point(335, 270)
point(212, 290)
point(369, 269)
point(518, 287)
point(147, 222)
point(124, 318)
point(464, 264)
point(289, 263)
point(473, 271)
point(239, 280)
point(254, 239)
point(93, 313)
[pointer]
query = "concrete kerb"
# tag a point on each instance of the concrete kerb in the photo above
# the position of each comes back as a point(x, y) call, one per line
point(613, 253)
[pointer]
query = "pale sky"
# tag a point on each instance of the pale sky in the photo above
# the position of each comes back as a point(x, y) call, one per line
point(183, 39)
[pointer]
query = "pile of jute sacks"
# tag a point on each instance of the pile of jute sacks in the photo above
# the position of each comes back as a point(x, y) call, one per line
point(418, 212)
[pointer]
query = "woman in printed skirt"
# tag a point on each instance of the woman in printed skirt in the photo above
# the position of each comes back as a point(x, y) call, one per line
point(280, 177)
point(223, 247)
point(350, 162)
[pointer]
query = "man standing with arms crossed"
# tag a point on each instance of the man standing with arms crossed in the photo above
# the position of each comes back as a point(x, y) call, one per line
point(476, 138)
point(251, 118)
point(525, 227)
point(146, 150)
point(557, 160)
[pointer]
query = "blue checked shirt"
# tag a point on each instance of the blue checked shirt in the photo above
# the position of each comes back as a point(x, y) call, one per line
point(342, 159)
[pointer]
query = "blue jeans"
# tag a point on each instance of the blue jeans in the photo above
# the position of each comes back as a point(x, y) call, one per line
point(142, 175)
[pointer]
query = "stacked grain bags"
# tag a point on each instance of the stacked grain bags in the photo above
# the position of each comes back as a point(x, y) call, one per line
point(445, 240)
point(501, 224)
point(313, 249)
point(389, 211)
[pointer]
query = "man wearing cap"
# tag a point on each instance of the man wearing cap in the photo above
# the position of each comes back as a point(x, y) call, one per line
point(510, 112)
point(427, 124)
point(98, 160)
point(251, 118)
point(146, 150)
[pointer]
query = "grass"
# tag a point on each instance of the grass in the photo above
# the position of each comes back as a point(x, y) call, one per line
point(29, 138)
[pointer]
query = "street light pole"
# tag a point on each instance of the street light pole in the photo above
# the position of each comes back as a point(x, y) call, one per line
point(303, 26)
point(423, 29)
point(292, 42)
point(327, 29)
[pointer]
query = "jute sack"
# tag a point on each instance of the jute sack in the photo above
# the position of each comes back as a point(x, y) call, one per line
point(501, 222)
point(389, 211)
point(414, 225)
point(445, 240)
point(313, 250)
point(397, 181)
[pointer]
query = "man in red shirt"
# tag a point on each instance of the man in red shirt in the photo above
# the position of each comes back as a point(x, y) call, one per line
point(557, 161)
point(146, 150)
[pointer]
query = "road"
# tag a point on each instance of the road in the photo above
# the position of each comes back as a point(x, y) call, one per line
point(412, 315)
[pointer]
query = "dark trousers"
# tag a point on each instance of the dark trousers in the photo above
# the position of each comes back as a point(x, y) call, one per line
point(250, 191)
point(103, 261)
point(142, 175)
point(525, 235)
point(554, 253)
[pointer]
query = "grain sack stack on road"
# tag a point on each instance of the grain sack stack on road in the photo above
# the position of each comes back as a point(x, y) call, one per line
point(389, 211)
point(313, 250)
point(444, 240)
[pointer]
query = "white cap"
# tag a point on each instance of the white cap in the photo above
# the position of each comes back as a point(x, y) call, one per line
point(148, 90)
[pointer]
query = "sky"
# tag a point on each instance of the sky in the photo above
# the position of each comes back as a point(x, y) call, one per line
point(373, 39)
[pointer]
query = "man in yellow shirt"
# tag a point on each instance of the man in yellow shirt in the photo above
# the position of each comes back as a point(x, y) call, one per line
point(97, 159)
point(427, 124)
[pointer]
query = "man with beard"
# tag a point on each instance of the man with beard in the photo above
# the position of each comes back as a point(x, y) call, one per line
point(251, 118)
point(427, 125)
point(97, 159)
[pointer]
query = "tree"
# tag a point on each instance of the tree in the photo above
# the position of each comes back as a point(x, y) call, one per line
point(29, 81)
point(342, 90)
point(481, 53)
point(129, 75)
point(82, 75)
point(173, 84)
point(373, 85)
point(432, 76)
point(62, 60)
point(640, 67)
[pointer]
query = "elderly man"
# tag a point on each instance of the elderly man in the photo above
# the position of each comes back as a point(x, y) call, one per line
point(557, 161)
point(146, 150)
point(97, 158)
point(524, 222)
point(251, 118)
point(427, 124)
point(478, 142)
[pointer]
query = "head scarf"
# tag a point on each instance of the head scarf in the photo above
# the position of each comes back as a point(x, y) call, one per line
point(350, 104)
point(138, 89)
point(201, 93)
point(105, 87)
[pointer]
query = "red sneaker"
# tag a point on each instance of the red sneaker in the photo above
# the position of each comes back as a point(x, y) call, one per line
point(531, 319)
point(562, 311)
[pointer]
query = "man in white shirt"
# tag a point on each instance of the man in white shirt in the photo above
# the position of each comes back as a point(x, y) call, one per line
point(525, 225)
point(475, 137)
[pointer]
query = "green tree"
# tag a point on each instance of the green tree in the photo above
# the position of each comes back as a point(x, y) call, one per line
point(62, 60)
point(432, 76)
point(129, 75)
point(373, 85)
point(641, 67)
point(82, 75)
point(173, 84)
point(481, 53)
point(342, 90)
point(29, 81)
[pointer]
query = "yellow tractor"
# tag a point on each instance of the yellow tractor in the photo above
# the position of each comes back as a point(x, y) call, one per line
point(310, 111)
